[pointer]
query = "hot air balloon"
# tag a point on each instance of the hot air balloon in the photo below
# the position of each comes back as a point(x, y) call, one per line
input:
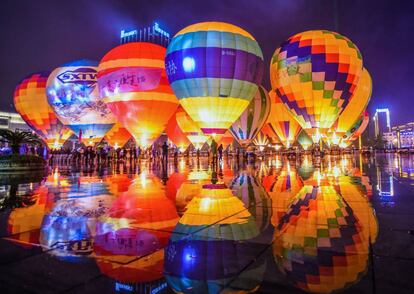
point(225, 236)
point(175, 133)
point(133, 83)
point(118, 136)
point(355, 107)
point(31, 103)
point(304, 140)
point(73, 94)
point(191, 130)
point(226, 140)
point(356, 131)
point(251, 121)
point(261, 140)
point(270, 133)
point(315, 73)
point(214, 69)
point(282, 122)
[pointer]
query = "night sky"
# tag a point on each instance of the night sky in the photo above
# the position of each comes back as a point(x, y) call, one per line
point(40, 35)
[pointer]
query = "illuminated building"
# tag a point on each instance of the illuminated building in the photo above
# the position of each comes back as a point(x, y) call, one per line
point(153, 34)
point(382, 121)
point(12, 121)
point(401, 136)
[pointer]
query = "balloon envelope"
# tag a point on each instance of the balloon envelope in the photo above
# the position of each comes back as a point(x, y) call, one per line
point(31, 103)
point(133, 83)
point(251, 121)
point(315, 74)
point(282, 122)
point(355, 107)
point(118, 136)
point(175, 133)
point(73, 94)
point(214, 69)
point(191, 130)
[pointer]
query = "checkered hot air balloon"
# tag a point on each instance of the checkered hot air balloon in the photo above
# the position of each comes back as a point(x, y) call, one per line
point(31, 103)
point(320, 242)
point(355, 107)
point(175, 133)
point(214, 69)
point(133, 84)
point(282, 122)
point(251, 121)
point(315, 73)
point(118, 136)
point(73, 94)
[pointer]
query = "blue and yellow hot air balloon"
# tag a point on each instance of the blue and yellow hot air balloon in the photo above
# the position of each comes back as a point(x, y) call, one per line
point(251, 121)
point(315, 73)
point(214, 69)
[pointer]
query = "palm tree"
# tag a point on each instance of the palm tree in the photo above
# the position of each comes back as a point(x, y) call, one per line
point(17, 138)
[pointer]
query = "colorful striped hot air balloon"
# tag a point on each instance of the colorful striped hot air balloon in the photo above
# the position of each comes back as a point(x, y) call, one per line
point(251, 121)
point(315, 73)
point(261, 140)
point(73, 94)
point(271, 134)
point(214, 69)
point(133, 84)
point(175, 133)
point(355, 107)
point(191, 130)
point(118, 136)
point(282, 122)
point(31, 103)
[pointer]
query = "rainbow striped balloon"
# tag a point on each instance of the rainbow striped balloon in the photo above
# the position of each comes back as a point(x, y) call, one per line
point(214, 69)
point(251, 121)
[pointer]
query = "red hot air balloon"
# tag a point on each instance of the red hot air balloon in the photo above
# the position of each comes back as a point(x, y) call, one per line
point(133, 83)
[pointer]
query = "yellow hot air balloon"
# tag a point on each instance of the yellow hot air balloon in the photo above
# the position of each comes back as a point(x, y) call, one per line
point(214, 69)
point(261, 140)
point(355, 107)
point(315, 74)
point(282, 122)
point(190, 128)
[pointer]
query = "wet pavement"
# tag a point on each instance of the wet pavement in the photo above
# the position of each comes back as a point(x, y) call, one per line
point(342, 224)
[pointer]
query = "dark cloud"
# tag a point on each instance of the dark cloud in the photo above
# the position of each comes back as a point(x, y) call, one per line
point(40, 35)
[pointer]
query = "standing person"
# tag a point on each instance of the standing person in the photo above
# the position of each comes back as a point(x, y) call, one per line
point(214, 151)
point(165, 153)
point(134, 153)
point(139, 152)
point(118, 154)
point(220, 152)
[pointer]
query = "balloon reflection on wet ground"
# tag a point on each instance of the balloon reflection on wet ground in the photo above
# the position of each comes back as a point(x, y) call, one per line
point(193, 228)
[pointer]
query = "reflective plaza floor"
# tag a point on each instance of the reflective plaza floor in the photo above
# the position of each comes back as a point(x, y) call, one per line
point(341, 224)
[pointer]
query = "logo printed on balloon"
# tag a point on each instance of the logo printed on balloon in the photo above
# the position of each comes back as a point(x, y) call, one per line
point(82, 75)
point(129, 80)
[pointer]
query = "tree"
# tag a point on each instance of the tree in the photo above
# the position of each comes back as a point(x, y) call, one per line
point(379, 142)
point(17, 138)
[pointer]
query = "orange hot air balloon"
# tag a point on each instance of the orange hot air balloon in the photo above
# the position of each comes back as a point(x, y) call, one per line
point(282, 122)
point(31, 103)
point(134, 86)
point(175, 133)
point(271, 134)
point(118, 136)
point(191, 130)
point(226, 140)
